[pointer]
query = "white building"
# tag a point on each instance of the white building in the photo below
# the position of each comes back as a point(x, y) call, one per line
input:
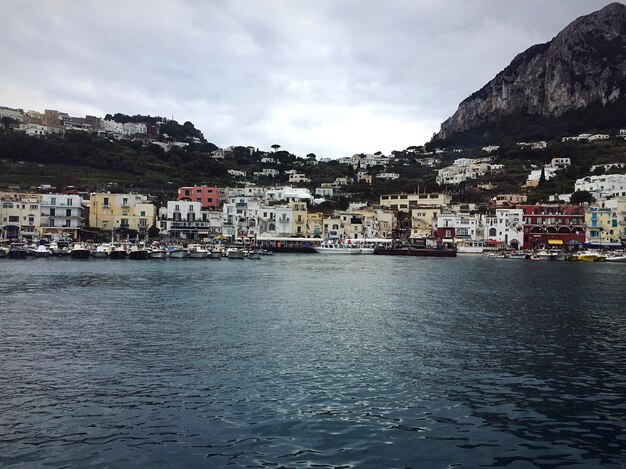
point(61, 216)
point(288, 194)
point(324, 191)
point(189, 221)
point(133, 128)
point(39, 129)
point(237, 173)
point(387, 176)
point(457, 228)
point(298, 178)
point(601, 187)
point(110, 126)
point(505, 227)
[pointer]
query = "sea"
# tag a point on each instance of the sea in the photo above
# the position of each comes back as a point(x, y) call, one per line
point(312, 361)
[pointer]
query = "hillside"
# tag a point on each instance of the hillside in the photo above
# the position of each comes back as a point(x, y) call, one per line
point(562, 86)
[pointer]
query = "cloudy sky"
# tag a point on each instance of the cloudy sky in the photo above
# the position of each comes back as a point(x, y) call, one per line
point(332, 77)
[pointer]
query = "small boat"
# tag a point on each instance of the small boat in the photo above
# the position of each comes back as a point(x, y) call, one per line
point(588, 256)
point(80, 251)
point(157, 252)
point(177, 252)
point(138, 254)
point(196, 251)
point(101, 251)
point(59, 249)
point(215, 255)
point(17, 251)
point(42, 251)
point(234, 253)
point(254, 255)
point(3, 251)
point(518, 255)
point(616, 257)
point(117, 252)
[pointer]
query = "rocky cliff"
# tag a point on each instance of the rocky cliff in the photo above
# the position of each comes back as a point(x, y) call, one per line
point(584, 64)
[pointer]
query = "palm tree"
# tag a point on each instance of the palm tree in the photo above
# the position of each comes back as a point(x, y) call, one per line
point(276, 146)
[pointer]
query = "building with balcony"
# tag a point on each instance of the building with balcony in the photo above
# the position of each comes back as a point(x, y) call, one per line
point(506, 227)
point(553, 225)
point(603, 186)
point(186, 220)
point(20, 216)
point(121, 211)
point(456, 228)
point(61, 216)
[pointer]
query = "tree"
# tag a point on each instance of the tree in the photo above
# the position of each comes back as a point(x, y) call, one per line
point(581, 197)
point(311, 156)
point(153, 231)
point(276, 146)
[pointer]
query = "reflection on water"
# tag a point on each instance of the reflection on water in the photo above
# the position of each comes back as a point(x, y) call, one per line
point(311, 361)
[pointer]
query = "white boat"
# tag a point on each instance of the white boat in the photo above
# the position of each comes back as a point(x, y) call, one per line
point(471, 247)
point(196, 251)
point(518, 255)
point(328, 247)
point(101, 251)
point(616, 257)
point(42, 251)
point(80, 251)
point(234, 253)
point(177, 252)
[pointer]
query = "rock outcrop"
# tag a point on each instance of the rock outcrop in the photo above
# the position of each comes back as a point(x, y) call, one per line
point(584, 64)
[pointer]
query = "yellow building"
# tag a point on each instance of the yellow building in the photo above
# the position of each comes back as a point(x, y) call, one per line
point(599, 226)
point(315, 224)
point(112, 211)
point(299, 225)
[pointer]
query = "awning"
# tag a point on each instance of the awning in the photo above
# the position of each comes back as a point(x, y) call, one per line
point(555, 241)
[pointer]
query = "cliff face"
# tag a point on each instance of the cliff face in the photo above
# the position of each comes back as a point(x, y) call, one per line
point(585, 63)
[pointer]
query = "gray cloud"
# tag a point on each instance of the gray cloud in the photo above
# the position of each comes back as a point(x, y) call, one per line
point(329, 77)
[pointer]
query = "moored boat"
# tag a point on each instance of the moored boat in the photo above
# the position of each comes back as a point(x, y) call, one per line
point(328, 247)
point(42, 251)
point(177, 252)
point(17, 251)
point(80, 251)
point(101, 251)
point(137, 253)
point(234, 253)
point(196, 251)
point(117, 252)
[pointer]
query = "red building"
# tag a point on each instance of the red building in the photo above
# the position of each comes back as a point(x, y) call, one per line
point(208, 196)
point(553, 225)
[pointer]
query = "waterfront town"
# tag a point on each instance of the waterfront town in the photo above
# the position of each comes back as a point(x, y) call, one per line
point(280, 202)
point(201, 213)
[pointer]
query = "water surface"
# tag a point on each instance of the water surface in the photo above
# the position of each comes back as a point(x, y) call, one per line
point(312, 361)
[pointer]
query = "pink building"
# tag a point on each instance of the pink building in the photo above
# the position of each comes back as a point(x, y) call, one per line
point(209, 197)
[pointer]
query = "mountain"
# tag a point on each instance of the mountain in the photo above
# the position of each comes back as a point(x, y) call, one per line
point(582, 68)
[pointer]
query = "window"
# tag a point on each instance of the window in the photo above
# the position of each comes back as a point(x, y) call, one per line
point(142, 213)
point(69, 202)
point(105, 201)
point(53, 212)
point(53, 200)
point(33, 207)
point(52, 222)
point(14, 219)
point(125, 201)
point(68, 212)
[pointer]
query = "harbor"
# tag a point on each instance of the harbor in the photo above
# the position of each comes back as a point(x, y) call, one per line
point(240, 362)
